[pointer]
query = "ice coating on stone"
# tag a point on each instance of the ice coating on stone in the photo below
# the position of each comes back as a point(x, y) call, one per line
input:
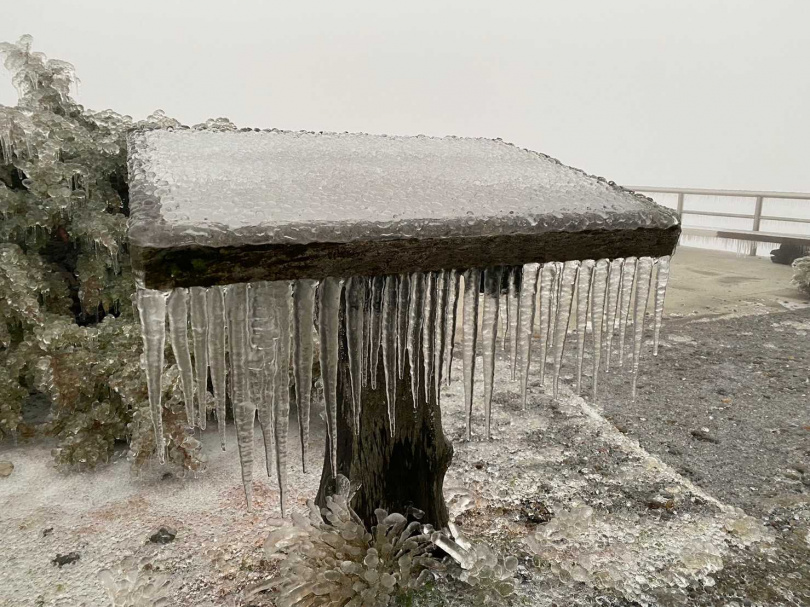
point(263, 337)
point(244, 411)
point(546, 289)
point(628, 274)
point(355, 313)
point(428, 330)
point(303, 313)
point(643, 275)
point(583, 298)
point(513, 315)
point(389, 347)
point(472, 280)
point(528, 304)
point(454, 282)
point(489, 337)
point(199, 335)
point(177, 307)
point(403, 290)
point(598, 293)
point(614, 285)
point(568, 278)
point(328, 332)
point(358, 187)
point(415, 319)
point(375, 326)
point(281, 294)
point(215, 307)
point(662, 278)
point(440, 320)
point(152, 312)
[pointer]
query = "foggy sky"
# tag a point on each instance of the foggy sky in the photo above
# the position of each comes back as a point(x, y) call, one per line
point(693, 93)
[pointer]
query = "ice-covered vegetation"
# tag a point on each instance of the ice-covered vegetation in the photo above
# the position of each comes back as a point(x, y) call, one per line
point(68, 334)
point(330, 558)
point(801, 274)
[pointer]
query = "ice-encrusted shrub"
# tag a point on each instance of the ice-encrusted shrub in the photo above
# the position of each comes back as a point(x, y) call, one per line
point(133, 583)
point(64, 265)
point(801, 274)
point(330, 558)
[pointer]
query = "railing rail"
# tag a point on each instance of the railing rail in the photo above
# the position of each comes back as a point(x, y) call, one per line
point(756, 217)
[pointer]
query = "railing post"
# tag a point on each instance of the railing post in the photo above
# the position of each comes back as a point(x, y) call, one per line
point(680, 206)
point(755, 227)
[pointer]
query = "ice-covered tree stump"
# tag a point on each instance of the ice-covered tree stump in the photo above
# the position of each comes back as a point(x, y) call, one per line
point(247, 237)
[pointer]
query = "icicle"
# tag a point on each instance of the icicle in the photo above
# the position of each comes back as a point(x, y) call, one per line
point(614, 284)
point(367, 312)
point(568, 278)
point(660, 293)
point(304, 308)
point(415, 320)
point(600, 276)
point(375, 334)
point(489, 336)
point(263, 337)
point(355, 304)
point(528, 303)
point(404, 288)
point(546, 288)
point(389, 347)
point(244, 412)
point(472, 282)
point(643, 274)
point(628, 273)
point(583, 297)
point(199, 333)
point(440, 326)
point(429, 331)
point(152, 311)
point(556, 269)
point(215, 309)
point(328, 331)
point(451, 318)
point(504, 307)
point(281, 293)
point(178, 327)
point(513, 315)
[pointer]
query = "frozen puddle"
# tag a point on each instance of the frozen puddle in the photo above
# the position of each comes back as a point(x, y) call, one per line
point(624, 524)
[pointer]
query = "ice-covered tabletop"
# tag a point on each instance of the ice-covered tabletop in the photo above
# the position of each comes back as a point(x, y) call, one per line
point(239, 188)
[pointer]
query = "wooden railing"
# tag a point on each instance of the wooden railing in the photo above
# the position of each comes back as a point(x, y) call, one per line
point(753, 235)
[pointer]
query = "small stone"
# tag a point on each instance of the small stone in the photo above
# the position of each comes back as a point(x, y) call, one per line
point(6, 468)
point(704, 435)
point(65, 559)
point(164, 535)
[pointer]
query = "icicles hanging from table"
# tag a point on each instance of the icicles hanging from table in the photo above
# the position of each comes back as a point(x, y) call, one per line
point(152, 311)
point(528, 303)
point(489, 337)
point(258, 332)
point(178, 328)
point(643, 275)
point(660, 292)
point(199, 332)
point(472, 282)
point(329, 318)
point(303, 311)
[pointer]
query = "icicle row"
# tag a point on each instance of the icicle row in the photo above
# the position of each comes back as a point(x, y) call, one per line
point(269, 328)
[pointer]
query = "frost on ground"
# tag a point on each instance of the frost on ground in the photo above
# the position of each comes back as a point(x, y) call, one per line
point(586, 512)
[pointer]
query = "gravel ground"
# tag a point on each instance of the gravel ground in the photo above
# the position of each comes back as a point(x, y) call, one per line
point(727, 404)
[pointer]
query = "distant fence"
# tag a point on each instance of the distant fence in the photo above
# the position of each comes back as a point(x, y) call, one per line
point(748, 221)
